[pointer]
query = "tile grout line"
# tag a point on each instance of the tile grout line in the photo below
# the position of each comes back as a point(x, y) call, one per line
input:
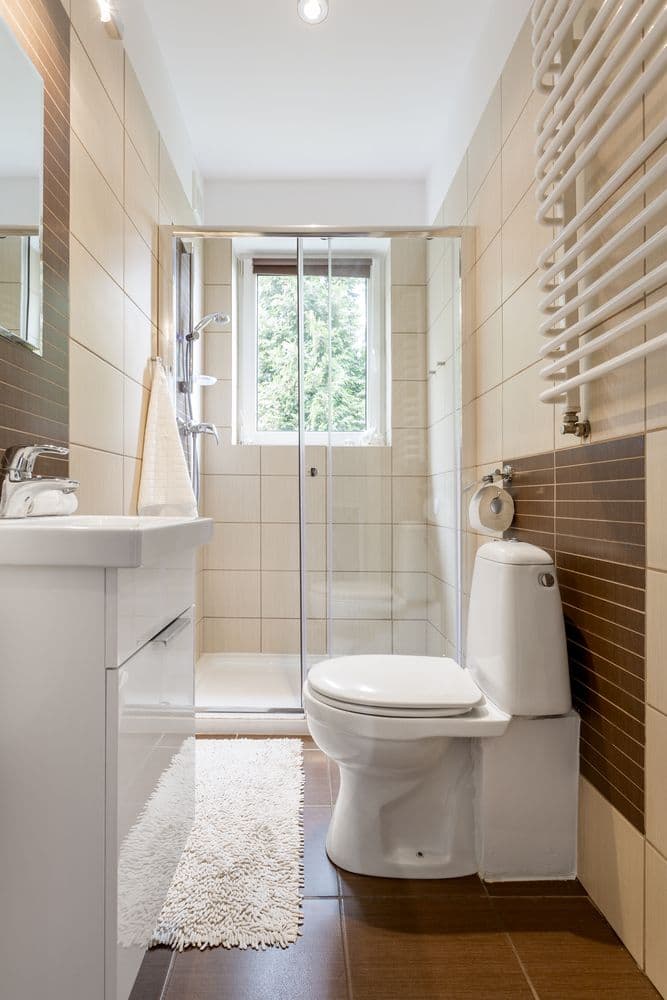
point(521, 966)
point(346, 953)
point(165, 985)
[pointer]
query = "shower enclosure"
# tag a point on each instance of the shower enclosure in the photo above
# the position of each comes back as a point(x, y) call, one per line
point(334, 484)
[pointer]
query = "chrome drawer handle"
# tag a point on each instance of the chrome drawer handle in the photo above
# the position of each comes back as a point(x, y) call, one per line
point(171, 631)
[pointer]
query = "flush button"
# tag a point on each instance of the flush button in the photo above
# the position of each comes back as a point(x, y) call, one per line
point(546, 580)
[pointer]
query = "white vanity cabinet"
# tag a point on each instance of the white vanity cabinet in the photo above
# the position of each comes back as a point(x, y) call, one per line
point(96, 745)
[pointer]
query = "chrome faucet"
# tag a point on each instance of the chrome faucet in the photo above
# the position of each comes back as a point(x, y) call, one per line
point(19, 488)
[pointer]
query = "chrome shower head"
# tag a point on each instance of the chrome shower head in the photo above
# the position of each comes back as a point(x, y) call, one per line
point(217, 317)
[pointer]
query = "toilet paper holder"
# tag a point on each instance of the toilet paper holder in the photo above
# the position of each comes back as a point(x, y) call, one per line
point(505, 474)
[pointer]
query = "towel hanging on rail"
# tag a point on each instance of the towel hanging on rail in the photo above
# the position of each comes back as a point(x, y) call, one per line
point(165, 489)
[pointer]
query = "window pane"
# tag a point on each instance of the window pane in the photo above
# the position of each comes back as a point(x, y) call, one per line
point(277, 353)
point(277, 357)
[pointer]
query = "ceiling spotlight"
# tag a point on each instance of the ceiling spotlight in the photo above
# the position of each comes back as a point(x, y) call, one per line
point(313, 11)
point(111, 23)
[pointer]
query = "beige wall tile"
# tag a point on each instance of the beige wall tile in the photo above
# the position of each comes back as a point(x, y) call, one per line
point(484, 213)
point(96, 215)
point(409, 638)
point(656, 499)
point(217, 298)
point(528, 424)
point(141, 200)
point(94, 118)
point(173, 197)
point(281, 635)
point(488, 281)
point(231, 498)
point(361, 596)
point(489, 424)
point(523, 241)
point(408, 352)
point(218, 355)
point(218, 262)
point(442, 445)
point(371, 461)
point(228, 459)
point(96, 306)
point(656, 639)
point(95, 401)
point(656, 372)
point(409, 452)
point(140, 343)
point(409, 596)
point(131, 484)
point(518, 156)
point(408, 309)
point(217, 403)
point(410, 548)
point(232, 635)
point(521, 320)
point(140, 271)
point(140, 125)
point(100, 476)
point(231, 594)
point(135, 408)
point(408, 499)
point(105, 53)
point(488, 341)
point(485, 144)
point(234, 546)
point(280, 594)
point(656, 779)
point(516, 82)
point(361, 499)
point(408, 261)
point(455, 203)
point(361, 547)
point(408, 404)
point(353, 637)
point(611, 866)
point(656, 919)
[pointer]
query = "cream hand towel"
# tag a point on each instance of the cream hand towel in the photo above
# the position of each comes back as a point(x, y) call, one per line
point(165, 489)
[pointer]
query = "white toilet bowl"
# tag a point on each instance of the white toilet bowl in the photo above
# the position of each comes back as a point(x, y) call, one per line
point(406, 799)
point(408, 732)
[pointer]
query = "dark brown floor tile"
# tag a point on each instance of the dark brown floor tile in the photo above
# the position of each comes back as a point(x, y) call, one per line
point(569, 887)
point(430, 948)
point(317, 790)
point(364, 885)
point(569, 950)
point(320, 877)
point(152, 975)
point(311, 969)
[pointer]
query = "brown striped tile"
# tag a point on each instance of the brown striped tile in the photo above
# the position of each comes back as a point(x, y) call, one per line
point(632, 468)
point(629, 447)
point(605, 590)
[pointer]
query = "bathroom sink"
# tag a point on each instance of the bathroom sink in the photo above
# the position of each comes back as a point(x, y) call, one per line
point(97, 541)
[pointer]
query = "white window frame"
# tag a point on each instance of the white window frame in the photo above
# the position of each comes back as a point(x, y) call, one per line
point(245, 431)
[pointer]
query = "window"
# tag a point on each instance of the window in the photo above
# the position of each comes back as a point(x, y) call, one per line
point(343, 375)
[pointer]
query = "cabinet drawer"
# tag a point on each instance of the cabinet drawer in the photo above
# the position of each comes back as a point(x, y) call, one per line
point(151, 732)
point(147, 599)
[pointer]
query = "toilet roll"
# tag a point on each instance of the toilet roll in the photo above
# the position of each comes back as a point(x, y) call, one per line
point(491, 510)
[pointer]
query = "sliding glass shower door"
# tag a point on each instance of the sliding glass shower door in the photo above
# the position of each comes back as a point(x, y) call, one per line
point(335, 486)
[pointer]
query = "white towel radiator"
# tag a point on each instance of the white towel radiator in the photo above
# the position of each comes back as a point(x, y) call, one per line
point(596, 62)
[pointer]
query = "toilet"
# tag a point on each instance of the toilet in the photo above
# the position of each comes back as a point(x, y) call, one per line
point(443, 768)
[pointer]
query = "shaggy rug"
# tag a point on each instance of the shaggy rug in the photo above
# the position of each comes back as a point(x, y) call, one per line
point(240, 877)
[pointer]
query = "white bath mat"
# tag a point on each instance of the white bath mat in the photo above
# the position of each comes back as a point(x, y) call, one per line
point(239, 881)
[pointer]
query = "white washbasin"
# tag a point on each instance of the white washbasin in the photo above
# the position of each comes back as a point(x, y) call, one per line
point(97, 540)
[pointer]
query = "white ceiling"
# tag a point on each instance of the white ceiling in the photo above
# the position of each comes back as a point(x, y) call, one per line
point(366, 94)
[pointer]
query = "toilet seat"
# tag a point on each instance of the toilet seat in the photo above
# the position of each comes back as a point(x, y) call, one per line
point(395, 686)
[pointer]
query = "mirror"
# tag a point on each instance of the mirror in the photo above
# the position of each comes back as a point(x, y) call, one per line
point(21, 159)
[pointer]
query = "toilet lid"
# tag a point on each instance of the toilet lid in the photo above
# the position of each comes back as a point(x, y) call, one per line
point(396, 683)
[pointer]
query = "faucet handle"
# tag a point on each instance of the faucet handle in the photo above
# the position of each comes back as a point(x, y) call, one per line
point(19, 461)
